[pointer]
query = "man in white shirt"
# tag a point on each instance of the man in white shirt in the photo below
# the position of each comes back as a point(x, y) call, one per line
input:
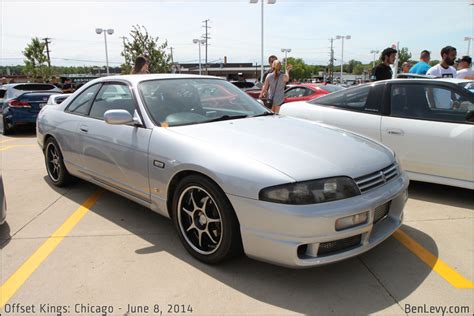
point(464, 68)
point(445, 68)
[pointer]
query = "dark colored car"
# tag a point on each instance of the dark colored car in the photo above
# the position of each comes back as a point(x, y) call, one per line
point(21, 103)
point(309, 91)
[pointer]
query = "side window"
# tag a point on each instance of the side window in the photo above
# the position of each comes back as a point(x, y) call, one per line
point(112, 97)
point(292, 93)
point(308, 92)
point(82, 103)
point(351, 99)
point(429, 103)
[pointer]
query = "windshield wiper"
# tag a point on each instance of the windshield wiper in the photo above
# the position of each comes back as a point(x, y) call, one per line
point(264, 114)
point(226, 117)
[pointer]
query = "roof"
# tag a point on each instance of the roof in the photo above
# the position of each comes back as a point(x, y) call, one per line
point(138, 78)
point(448, 80)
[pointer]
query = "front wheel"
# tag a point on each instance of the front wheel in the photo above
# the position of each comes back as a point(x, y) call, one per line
point(57, 171)
point(205, 220)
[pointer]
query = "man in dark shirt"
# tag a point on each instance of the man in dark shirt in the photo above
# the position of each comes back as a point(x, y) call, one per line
point(383, 70)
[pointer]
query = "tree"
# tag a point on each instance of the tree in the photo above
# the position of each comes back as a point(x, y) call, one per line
point(142, 43)
point(403, 55)
point(36, 60)
point(434, 62)
point(301, 70)
point(351, 65)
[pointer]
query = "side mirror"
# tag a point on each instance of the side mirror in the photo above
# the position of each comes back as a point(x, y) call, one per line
point(118, 117)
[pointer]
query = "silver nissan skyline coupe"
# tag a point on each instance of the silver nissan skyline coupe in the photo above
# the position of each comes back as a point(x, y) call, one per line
point(231, 175)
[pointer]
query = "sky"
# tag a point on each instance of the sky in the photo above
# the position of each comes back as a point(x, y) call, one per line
point(303, 26)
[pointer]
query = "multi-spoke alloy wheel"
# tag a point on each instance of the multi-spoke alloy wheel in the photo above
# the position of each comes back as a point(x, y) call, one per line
point(53, 159)
point(205, 220)
point(200, 220)
point(53, 165)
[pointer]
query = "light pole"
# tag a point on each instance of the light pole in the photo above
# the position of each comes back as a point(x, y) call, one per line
point(375, 52)
point(286, 51)
point(262, 58)
point(110, 32)
point(342, 37)
point(468, 39)
point(199, 42)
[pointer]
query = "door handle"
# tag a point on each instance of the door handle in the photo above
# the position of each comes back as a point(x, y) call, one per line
point(395, 132)
point(84, 128)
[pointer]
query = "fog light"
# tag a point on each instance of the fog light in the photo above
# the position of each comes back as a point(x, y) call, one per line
point(352, 221)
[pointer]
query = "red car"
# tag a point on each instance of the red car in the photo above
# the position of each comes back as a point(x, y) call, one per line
point(309, 91)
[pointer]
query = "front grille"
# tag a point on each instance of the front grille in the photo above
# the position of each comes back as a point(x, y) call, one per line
point(378, 178)
point(381, 212)
point(335, 246)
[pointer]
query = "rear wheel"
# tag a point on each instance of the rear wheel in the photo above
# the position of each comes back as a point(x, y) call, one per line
point(6, 130)
point(57, 172)
point(205, 220)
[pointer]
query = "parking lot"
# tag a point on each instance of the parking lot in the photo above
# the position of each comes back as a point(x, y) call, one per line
point(83, 250)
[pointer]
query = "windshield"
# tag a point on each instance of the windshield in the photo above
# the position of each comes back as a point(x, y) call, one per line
point(468, 85)
point(175, 102)
point(331, 88)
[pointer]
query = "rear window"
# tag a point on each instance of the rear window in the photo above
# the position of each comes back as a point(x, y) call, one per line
point(2, 93)
point(34, 87)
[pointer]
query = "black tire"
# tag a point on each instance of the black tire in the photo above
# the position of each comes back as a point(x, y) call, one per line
point(222, 239)
point(54, 162)
point(6, 130)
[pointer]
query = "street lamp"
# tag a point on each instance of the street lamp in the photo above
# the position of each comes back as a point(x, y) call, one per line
point(110, 32)
point(199, 42)
point(342, 37)
point(375, 52)
point(269, 2)
point(286, 51)
point(468, 39)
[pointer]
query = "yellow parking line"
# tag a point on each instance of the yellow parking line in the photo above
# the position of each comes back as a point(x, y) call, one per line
point(14, 146)
point(9, 288)
point(438, 265)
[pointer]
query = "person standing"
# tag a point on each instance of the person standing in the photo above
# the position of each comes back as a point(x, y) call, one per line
point(445, 68)
point(274, 86)
point(406, 67)
point(383, 71)
point(271, 59)
point(141, 66)
point(421, 67)
point(464, 68)
point(68, 86)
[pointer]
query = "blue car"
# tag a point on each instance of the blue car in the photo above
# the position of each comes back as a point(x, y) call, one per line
point(20, 104)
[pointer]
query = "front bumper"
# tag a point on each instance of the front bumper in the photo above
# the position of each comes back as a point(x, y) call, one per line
point(290, 235)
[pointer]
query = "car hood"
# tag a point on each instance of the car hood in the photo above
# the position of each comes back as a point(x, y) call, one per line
point(300, 149)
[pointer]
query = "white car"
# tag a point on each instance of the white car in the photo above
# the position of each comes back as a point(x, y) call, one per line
point(429, 123)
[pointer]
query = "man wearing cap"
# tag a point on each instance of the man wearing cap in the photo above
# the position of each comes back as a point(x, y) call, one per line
point(421, 67)
point(383, 71)
point(445, 68)
point(464, 68)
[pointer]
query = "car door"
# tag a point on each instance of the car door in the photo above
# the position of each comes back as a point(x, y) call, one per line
point(116, 155)
point(356, 109)
point(76, 113)
point(428, 130)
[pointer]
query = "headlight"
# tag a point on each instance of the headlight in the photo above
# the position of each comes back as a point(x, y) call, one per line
point(311, 192)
